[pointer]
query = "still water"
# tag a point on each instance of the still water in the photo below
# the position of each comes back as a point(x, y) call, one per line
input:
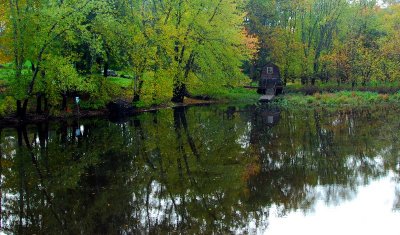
point(215, 169)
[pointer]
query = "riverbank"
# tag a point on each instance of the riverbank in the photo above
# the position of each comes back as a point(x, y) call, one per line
point(338, 99)
point(291, 99)
point(381, 88)
point(227, 95)
point(35, 118)
point(233, 96)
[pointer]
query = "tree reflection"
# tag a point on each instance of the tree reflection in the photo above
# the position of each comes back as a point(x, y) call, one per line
point(322, 156)
point(198, 170)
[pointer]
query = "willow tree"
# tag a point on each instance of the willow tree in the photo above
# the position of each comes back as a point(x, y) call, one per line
point(190, 42)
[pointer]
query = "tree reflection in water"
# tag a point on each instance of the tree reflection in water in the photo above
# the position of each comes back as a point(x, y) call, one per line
point(203, 169)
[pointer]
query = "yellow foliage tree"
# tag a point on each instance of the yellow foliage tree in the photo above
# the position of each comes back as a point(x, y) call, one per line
point(4, 55)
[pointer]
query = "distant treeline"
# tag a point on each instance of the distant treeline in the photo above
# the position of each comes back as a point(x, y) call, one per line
point(354, 42)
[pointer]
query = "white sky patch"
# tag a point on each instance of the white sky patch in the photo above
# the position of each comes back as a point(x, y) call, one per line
point(381, 3)
point(370, 212)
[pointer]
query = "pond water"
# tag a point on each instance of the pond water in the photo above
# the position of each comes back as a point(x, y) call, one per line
point(214, 169)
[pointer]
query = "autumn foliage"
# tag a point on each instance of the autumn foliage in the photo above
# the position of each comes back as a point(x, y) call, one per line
point(353, 42)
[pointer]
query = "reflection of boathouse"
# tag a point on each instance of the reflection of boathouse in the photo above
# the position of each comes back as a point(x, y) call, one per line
point(268, 116)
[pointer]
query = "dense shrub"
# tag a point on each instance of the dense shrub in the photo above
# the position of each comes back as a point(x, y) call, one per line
point(101, 93)
point(7, 106)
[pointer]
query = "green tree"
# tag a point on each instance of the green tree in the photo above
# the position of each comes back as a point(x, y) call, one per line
point(194, 42)
point(35, 30)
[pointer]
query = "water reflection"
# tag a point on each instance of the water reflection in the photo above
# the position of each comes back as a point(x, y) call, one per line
point(203, 169)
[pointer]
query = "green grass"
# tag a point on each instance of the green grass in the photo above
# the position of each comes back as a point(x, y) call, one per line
point(318, 83)
point(122, 82)
point(381, 87)
point(339, 99)
point(236, 94)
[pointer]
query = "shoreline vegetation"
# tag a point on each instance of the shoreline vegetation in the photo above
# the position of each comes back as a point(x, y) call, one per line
point(295, 96)
point(229, 95)
point(337, 96)
point(64, 56)
point(341, 99)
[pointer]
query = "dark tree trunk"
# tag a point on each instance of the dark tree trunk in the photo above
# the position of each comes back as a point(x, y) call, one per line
point(313, 80)
point(24, 108)
point(63, 132)
point(106, 64)
point(64, 103)
point(179, 92)
point(46, 105)
point(19, 136)
point(105, 72)
point(33, 67)
point(364, 82)
point(179, 113)
point(136, 96)
point(304, 80)
point(39, 104)
point(21, 109)
point(42, 129)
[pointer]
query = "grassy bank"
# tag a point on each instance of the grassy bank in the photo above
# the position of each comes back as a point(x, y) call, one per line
point(235, 95)
point(323, 95)
point(332, 87)
point(338, 99)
